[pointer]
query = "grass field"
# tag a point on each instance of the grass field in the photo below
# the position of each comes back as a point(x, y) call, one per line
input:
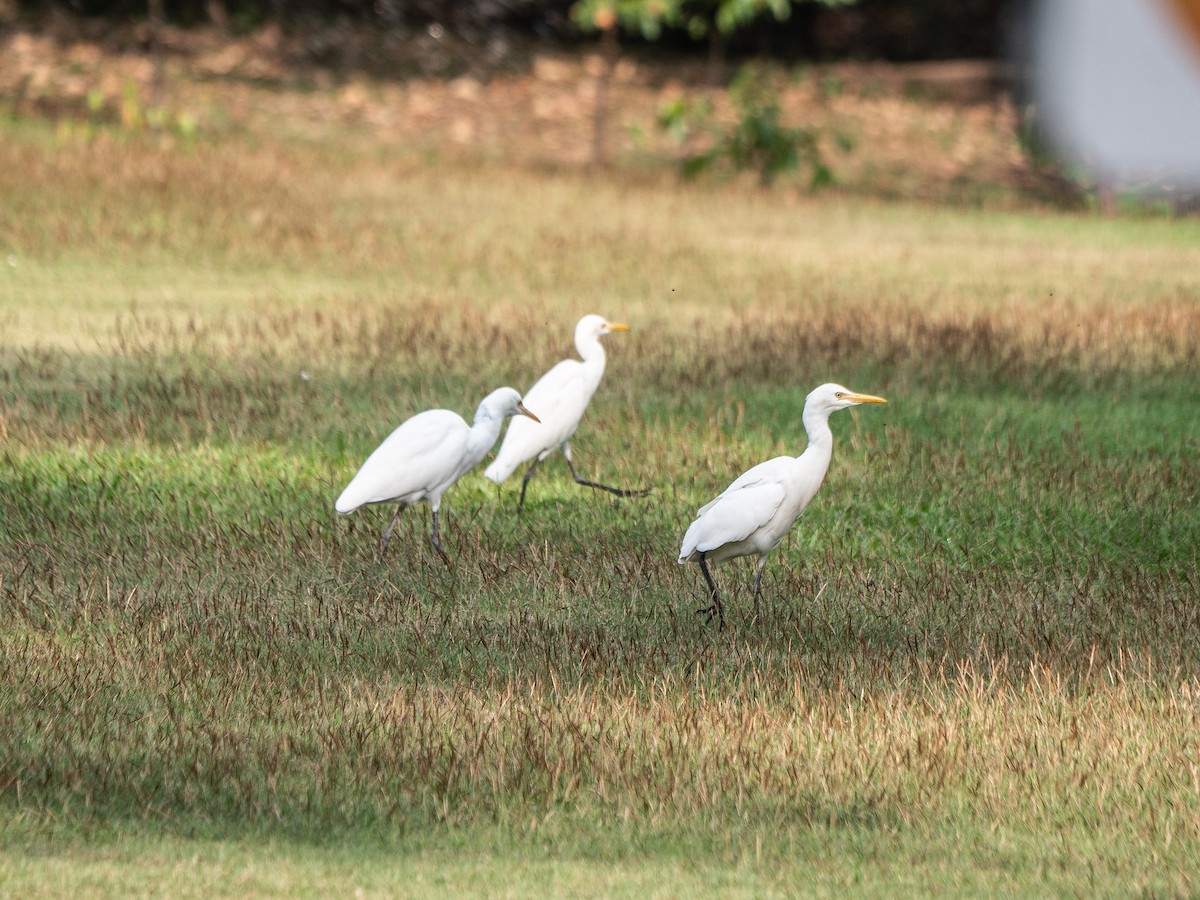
point(978, 671)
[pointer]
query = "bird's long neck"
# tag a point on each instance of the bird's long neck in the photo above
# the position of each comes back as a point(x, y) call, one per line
point(820, 440)
point(592, 353)
point(593, 362)
point(482, 436)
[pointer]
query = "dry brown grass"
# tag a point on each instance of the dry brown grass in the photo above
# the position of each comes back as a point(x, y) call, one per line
point(977, 667)
point(533, 108)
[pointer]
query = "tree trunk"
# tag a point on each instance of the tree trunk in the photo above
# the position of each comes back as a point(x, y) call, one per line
point(218, 14)
point(716, 55)
point(609, 50)
point(158, 18)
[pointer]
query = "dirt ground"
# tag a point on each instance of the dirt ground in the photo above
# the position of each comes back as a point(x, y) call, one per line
point(945, 132)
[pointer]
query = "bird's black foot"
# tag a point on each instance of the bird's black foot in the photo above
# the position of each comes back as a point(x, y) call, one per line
point(633, 492)
point(387, 536)
point(715, 609)
point(615, 491)
point(437, 542)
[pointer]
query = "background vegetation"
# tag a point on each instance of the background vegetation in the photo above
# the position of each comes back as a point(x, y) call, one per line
point(790, 29)
point(977, 668)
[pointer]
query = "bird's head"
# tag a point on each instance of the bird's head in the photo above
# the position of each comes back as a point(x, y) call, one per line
point(592, 327)
point(829, 398)
point(502, 403)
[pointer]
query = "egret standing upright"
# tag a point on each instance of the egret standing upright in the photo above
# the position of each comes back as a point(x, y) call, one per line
point(425, 455)
point(560, 397)
point(753, 514)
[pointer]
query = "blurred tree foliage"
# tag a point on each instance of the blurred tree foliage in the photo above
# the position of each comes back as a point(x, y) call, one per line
point(785, 29)
point(697, 18)
point(758, 140)
point(711, 20)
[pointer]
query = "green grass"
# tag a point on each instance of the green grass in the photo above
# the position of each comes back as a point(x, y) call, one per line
point(977, 671)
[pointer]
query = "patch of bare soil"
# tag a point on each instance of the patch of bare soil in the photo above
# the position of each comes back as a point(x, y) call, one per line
point(933, 132)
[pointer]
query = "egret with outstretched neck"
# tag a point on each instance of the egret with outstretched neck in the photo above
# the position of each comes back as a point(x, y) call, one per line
point(752, 515)
point(425, 456)
point(560, 396)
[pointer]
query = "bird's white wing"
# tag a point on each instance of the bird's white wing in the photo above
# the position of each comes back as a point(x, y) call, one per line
point(417, 457)
point(769, 471)
point(561, 393)
point(558, 399)
point(737, 512)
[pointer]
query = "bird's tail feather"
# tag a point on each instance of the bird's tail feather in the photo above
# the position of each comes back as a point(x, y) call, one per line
point(346, 502)
point(687, 552)
point(498, 470)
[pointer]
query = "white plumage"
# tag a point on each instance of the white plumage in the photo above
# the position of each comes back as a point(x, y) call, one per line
point(427, 454)
point(560, 396)
point(752, 515)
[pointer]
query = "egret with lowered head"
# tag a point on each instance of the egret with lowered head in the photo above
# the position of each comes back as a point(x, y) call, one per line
point(423, 457)
point(560, 397)
point(753, 514)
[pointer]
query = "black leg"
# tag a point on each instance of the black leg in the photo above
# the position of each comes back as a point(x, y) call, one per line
point(762, 563)
point(715, 609)
point(620, 492)
point(525, 484)
point(437, 544)
point(387, 534)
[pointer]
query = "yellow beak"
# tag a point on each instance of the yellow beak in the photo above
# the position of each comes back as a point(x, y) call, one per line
point(616, 326)
point(864, 398)
point(525, 412)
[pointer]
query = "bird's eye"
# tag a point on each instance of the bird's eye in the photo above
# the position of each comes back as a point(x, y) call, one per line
point(839, 395)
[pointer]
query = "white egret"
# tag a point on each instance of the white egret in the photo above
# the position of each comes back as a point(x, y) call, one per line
point(753, 514)
point(425, 455)
point(560, 397)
